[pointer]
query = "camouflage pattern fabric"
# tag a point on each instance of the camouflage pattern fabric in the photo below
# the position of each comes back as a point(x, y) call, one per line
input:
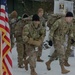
point(52, 19)
point(19, 41)
point(57, 34)
point(29, 31)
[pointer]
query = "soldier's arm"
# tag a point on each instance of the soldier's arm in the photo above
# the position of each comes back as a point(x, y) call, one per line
point(53, 28)
point(71, 35)
point(71, 31)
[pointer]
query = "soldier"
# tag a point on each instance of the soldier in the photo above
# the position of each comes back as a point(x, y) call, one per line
point(40, 14)
point(59, 30)
point(71, 42)
point(33, 35)
point(51, 20)
point(19, 41)
point(42, 20)
point(12, 20)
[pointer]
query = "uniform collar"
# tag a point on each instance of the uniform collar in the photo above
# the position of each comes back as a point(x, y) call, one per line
point(65, 21)
point(32, 25)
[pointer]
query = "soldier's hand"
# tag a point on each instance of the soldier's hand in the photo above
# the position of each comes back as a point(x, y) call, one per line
point(50, 42)
point(38, 43)
point(30, 41)
point(72, 41)
point(34, 42)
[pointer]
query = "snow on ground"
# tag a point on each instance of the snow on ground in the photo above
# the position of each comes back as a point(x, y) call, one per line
point(41, 67)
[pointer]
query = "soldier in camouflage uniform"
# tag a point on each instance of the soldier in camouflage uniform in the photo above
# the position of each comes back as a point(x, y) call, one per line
point(59, 30)
point(12, 20)
point(42, 20)
point(51, 20)
point(71, 42)
point(33, 35)
point(19, 41)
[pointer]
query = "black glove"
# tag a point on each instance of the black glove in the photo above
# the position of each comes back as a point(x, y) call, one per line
point(50, 42)
point(72, 41)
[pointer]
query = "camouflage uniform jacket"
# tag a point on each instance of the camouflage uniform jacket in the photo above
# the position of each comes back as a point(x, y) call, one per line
point(29, 31)
point(18, 30)
point(59, 29)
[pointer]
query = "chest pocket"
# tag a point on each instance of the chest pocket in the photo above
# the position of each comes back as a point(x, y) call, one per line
point(34, 33)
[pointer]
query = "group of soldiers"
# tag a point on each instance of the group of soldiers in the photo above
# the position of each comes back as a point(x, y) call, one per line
point(30, 32)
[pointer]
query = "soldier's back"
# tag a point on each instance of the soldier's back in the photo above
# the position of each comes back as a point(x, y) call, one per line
point(52, 19)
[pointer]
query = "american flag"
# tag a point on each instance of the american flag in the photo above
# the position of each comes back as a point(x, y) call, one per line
point(6, 45)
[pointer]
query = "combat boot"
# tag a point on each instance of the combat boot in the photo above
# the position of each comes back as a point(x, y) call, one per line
point(39, 59)
point(33, 71)
point(66, 63)
point(20, 63)
point(20, 66)
point(48, 65)
point(26, 64)
point(63, 70)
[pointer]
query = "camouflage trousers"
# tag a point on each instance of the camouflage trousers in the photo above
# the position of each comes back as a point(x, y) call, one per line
point(59, 52)
point(20, 51)
point(68, 50)
point(31, 55)
point(12, 41)
point(39, 53)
